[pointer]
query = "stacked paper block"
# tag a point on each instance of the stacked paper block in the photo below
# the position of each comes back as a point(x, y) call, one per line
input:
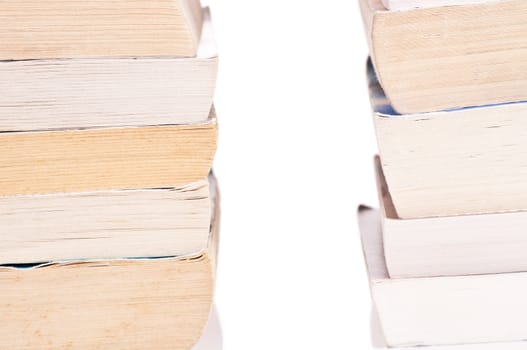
point(446, 251)
point(108, 206)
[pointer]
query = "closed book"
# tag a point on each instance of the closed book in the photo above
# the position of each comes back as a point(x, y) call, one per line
point(459, 162)
point(47, 94)
point(35, 29)
point(445, 310)
point(135, 303)
point(106, 224)
point(446, 57)
point(450, 245)
point(39, 162)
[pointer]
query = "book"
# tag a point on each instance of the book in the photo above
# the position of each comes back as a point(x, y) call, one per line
point(459, 162)
point(158, 303)
point(109, 92)
point(441, 58)
point(379, 343)
point(450, 245)
point(106, 224)
point(444, 310)
point(397, 5)
point(519, 345)
point(34, 29)
point(108, 206)
point(38, 162)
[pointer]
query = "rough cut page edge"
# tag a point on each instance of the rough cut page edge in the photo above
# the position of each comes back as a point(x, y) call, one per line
point(211, 248)
point(211, 121)
point(480, 259)
point(402, 251)
point(382, 108)
point(56, 223)
point(408, 5)
point(191, 186)
point(205, 64)
point(207, 48)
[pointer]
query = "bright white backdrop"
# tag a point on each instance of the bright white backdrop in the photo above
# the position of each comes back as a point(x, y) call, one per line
point(294, 161)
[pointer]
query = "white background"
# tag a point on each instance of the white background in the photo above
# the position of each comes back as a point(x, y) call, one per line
point(295, 159)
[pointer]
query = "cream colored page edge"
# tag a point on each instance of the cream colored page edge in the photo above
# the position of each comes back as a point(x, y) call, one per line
point(210, 121)
point(378, 99)
point(408, 5)
point(211, 246)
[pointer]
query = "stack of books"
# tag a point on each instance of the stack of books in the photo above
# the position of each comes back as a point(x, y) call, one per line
point(446, 253)
point(108, 207)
